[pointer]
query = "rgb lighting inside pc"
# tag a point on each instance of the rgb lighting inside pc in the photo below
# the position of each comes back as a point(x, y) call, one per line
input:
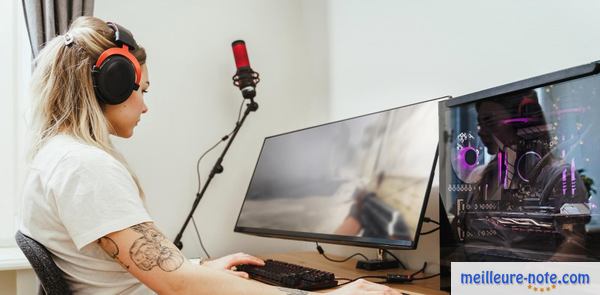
point(519, 170)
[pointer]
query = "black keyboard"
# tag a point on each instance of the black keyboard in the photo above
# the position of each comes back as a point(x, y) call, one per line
point(289, 275)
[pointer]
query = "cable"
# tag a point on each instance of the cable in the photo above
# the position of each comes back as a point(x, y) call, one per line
point(427, 219)
point(420, 270)
point(240, 112)
point(345, 283)
point(393, 278)
point(223, 139)
point(362, 277)
point(204, 154)
point(199, 238)
point(322, 252)
point(395, 257)
point(345, 279)
point(427, 277)
point(430, 231)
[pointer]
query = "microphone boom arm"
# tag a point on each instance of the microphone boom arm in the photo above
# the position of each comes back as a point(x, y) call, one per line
point(252, 106)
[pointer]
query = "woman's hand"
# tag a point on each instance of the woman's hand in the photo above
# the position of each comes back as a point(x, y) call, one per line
point(361, 287)
point(227, 263)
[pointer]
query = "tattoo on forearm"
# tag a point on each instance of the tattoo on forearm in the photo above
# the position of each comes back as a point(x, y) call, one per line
point(111, 249)
point(292, 291)
point(153, 249)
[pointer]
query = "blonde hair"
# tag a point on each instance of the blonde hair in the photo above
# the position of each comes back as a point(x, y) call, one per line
point(63, 89)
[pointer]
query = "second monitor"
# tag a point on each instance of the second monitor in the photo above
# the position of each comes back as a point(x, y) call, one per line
point(361, 181)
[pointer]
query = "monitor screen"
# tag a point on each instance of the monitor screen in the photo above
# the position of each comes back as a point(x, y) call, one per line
point(360, 181)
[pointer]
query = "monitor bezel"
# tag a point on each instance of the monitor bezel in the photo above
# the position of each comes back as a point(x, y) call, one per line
point(339, 239)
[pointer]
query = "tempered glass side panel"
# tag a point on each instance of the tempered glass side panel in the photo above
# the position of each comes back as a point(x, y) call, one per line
point(519, 175)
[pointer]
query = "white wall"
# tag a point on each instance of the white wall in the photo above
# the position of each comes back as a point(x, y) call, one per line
point(14, 104)
point(388, 53)
point(192, 103)
point(13, 79)
point(7, 122)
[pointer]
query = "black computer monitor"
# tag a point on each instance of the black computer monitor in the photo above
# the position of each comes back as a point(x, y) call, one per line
point(362, 181)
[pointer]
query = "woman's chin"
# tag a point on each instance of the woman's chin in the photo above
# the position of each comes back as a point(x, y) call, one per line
point(124, 134)
point(128, 135)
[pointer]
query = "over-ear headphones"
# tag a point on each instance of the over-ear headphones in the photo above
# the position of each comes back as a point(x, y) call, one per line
point(117, 73)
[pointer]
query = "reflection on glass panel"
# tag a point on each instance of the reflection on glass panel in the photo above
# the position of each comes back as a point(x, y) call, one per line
point(520, 174)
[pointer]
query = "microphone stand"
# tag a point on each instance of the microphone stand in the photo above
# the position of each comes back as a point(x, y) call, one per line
point(252, 106)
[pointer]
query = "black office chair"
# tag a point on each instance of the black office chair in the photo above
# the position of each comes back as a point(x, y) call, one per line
point(50, 276)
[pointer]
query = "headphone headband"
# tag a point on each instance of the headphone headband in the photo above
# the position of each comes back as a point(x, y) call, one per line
point(123, 36)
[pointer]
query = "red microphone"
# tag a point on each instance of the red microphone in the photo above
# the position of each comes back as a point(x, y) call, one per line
point(245, 78)
point(240, 54)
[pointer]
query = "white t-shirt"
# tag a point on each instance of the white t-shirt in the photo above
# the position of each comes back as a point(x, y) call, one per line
point(75, 194)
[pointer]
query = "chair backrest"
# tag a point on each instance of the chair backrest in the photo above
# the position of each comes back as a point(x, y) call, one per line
point(50, 276)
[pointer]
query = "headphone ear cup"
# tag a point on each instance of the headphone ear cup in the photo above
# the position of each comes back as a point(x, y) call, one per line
point(114, 80)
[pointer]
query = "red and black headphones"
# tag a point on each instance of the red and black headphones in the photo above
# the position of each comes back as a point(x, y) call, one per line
point(117, 73)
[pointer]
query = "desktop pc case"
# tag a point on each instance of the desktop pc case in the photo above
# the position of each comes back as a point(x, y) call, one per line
point(519, 170)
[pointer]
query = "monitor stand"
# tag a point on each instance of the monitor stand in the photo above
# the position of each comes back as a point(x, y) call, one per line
point(380, 263)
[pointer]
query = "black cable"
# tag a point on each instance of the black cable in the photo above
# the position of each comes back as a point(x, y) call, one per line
point(363, 277)
point(345, 279)
point(239, 113)
point(427, 277)
point(395, 257)
point(420, 270)
point(345, 283)
point(427, 219)
point(389, 278)
point(342, 260)
point(322, 252)
point(430, 231)
point(223, 139)
point(393, 278)
point(204, 154)
point(200, 187)
point(199, 238)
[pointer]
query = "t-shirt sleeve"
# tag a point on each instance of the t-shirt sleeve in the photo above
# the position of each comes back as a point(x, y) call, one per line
point(95, 195)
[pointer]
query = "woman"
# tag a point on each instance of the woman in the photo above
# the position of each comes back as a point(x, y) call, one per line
point(81, 199)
